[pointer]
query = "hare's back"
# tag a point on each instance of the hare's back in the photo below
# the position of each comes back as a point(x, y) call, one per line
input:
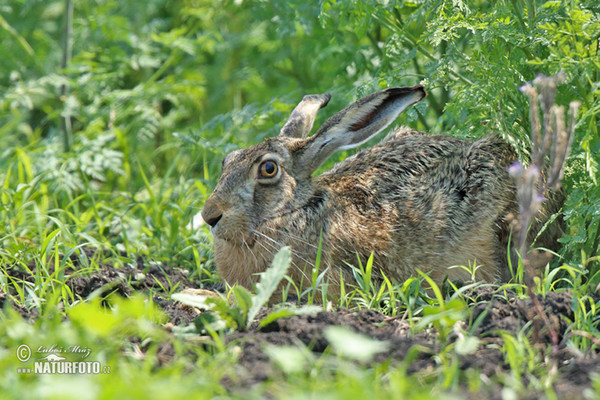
point(439, 186)
point(411, 156)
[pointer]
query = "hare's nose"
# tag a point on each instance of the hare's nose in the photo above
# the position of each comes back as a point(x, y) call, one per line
point(212, 221)
point(211, 212)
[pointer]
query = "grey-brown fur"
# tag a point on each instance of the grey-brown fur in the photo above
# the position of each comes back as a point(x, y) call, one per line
point(415, 201)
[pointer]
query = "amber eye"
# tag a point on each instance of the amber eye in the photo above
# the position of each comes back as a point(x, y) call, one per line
point(268, 169)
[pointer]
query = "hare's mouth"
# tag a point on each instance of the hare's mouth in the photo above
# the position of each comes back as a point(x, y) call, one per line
point(237, 239)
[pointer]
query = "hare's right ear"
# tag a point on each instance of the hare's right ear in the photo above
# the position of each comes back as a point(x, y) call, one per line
point(355, 125)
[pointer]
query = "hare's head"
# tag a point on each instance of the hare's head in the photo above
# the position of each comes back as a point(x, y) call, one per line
point(273, 178)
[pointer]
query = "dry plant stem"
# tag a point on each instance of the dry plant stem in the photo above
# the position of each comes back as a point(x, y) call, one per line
point(535, 180)
point(66, 59)
point(542, 314)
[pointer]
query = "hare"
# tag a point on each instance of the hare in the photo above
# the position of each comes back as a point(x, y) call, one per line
point(414, 201)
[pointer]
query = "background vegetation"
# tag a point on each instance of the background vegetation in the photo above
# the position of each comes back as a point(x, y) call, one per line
point(113, 138)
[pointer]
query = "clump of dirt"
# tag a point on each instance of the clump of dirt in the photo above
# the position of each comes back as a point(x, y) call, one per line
point(309, 330)
point(129, 278)
point(491, 313)
point(497, 313)
point(5, 299)
point(141, 275)
point(179, 314)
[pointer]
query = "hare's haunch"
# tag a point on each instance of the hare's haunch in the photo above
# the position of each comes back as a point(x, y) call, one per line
point(415, 201)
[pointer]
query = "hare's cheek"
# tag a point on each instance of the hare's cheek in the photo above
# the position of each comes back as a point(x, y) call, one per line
point(246, 192)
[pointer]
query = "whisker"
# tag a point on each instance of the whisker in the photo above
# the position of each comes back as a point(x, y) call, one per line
point(281, 245)
point(251, 252)
point(272, 253)
point(272, 245)
point(291, 236)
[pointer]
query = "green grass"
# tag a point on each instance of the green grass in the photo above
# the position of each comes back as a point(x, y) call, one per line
point(127, 336)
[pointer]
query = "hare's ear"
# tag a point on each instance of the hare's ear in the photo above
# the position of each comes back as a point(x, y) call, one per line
point(303, 117)
point(356, 124)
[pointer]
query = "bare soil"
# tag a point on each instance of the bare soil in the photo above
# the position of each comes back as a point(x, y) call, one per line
point(492, 313)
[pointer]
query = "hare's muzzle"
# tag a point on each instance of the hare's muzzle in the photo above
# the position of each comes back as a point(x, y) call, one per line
point(211, 213)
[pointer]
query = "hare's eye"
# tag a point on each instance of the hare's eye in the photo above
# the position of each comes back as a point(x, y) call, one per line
point(268, 169)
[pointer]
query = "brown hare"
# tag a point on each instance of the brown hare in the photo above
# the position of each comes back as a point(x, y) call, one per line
point(414, 201)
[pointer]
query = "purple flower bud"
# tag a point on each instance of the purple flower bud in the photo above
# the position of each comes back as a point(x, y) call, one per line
point(540, 199)
point(515, 170)
point(532, 171)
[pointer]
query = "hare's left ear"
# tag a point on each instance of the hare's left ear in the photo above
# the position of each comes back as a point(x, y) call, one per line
point(303, 117)
point(355, 125)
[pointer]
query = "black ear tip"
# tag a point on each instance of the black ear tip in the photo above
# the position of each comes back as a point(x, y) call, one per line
point(320, 99)
point(323, 99)
point(396, 92)
point(420, 88)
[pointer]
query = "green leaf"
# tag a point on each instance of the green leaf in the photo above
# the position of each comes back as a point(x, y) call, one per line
point(368, 272)
point(193, 300)
point(353, 345)
point(269, 281)
point(289, 358)
point(208, 321)
point(288, 312)
point(243, 301)
point(466, 345)
point(434, 287)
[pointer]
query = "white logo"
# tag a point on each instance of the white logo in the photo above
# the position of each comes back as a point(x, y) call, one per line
point(23, 353)
point(52, 358)
point(55, 363)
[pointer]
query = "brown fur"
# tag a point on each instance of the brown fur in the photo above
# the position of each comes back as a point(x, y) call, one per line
point(415, 201)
